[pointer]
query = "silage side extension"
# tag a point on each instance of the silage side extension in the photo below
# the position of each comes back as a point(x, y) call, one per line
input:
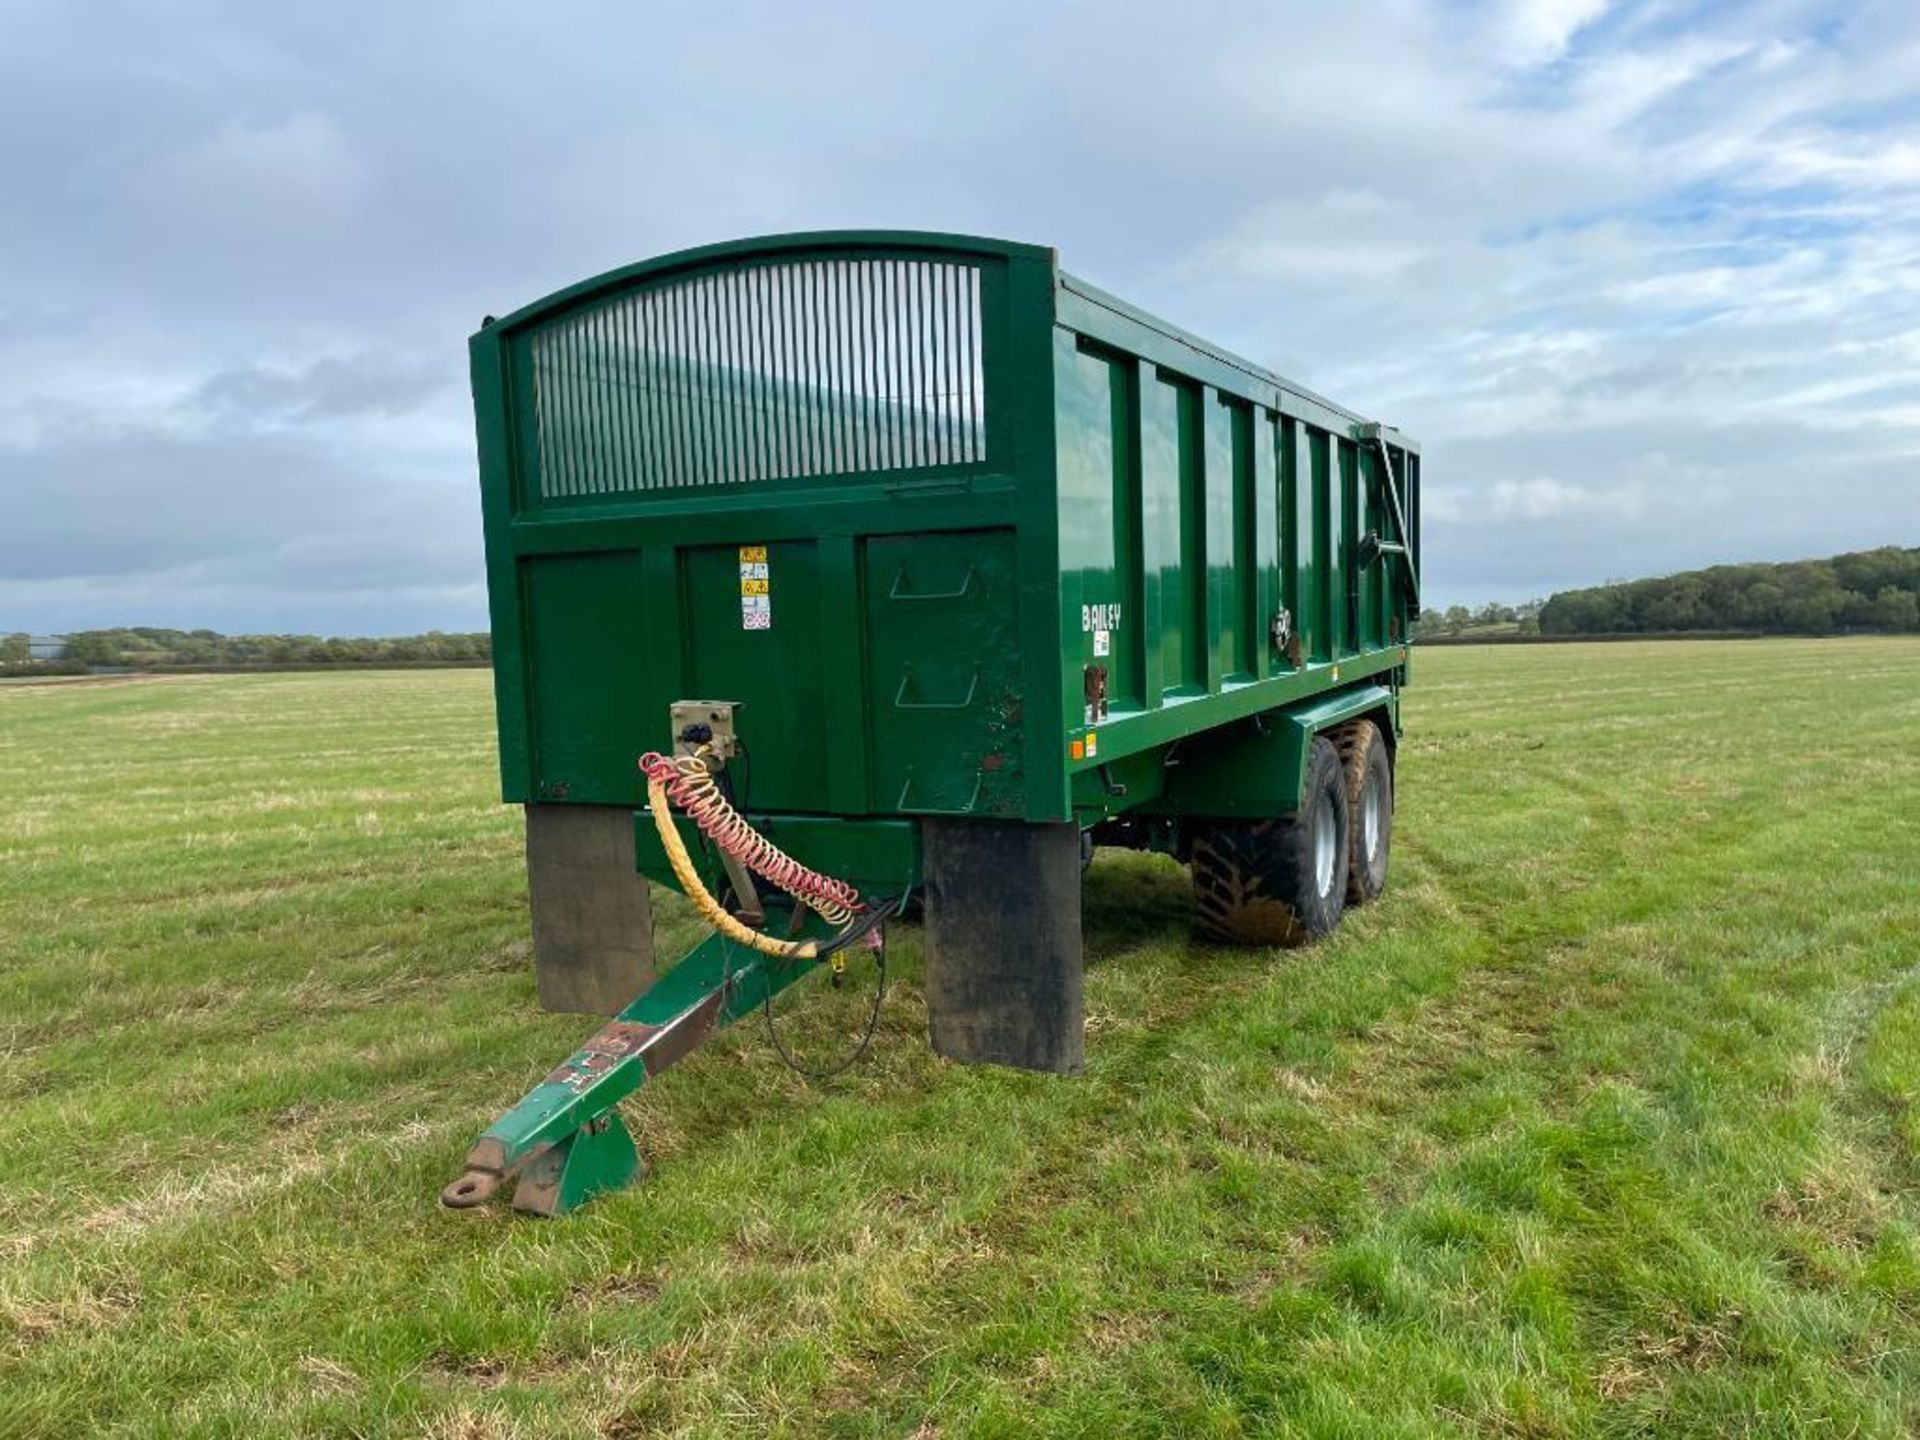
point(923, 562)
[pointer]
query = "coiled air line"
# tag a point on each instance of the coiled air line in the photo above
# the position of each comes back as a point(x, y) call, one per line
point(688, 781)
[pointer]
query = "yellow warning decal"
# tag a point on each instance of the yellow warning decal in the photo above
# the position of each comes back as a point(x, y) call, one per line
point(756, 598)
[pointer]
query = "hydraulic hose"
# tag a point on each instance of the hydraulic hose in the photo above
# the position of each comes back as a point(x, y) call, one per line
point(711, 910)
point(689, 782)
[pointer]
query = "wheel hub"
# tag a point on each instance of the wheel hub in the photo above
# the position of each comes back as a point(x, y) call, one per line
point(1372, 813)
point(1325, 834)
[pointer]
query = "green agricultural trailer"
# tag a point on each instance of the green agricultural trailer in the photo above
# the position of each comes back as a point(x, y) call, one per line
point(833, 572)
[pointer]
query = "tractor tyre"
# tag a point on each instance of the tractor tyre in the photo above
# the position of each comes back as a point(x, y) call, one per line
point(1277, 882)
point(1369, 770)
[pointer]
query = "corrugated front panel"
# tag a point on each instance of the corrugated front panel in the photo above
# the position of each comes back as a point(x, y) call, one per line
point(772, 371)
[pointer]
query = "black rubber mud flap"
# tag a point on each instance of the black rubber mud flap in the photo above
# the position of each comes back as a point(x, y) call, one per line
point(1003, 944)
point(592, 923)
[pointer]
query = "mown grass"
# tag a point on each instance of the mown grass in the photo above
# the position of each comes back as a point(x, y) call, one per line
point(1603, 1122)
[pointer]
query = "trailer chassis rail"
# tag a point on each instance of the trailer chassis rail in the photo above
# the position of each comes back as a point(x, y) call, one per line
point(565, 1141)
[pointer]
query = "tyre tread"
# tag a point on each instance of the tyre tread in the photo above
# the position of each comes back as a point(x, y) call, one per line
point(1249, 877)
point(1355, 741)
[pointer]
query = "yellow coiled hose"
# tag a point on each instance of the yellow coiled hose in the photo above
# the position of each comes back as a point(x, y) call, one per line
point(711, 910)
point(691, 785)
point(691, 781)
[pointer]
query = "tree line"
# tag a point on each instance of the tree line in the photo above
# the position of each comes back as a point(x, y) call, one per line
point(145, 646)
point(1870, 590)
point(1492, 618)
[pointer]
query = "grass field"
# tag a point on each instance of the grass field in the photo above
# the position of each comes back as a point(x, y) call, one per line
point(1603, 1122)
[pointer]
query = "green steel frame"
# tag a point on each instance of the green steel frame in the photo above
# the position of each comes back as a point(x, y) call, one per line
point(565, 1141)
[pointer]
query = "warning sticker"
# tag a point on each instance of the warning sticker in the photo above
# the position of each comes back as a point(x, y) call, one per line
point(1102, 642)
point(756, 598)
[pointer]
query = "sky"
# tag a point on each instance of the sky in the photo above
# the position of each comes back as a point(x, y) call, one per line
point(1643, 277)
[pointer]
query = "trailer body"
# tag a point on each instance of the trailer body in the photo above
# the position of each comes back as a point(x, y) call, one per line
point(962, 536)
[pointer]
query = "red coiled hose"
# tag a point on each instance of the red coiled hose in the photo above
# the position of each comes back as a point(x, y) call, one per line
point(688, 781)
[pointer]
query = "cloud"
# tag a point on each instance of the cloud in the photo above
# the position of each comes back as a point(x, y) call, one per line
point(290, 173)
point(1344, 235)
point(1535, 32)
point(100, 503)
point(1544, 497)
point(330, 388)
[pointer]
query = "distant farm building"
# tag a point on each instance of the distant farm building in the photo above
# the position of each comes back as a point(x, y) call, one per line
point(46, 647)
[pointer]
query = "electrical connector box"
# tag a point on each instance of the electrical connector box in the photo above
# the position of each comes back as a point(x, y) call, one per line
point(704, 722)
